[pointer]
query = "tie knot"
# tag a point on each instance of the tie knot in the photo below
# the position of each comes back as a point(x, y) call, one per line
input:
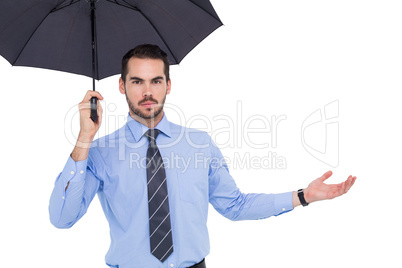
point(151, 134)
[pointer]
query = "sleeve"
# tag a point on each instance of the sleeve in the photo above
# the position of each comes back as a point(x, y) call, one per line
point(227, 199)
point(66, 207)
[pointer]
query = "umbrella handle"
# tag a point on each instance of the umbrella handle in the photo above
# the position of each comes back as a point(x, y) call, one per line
point(94, 113)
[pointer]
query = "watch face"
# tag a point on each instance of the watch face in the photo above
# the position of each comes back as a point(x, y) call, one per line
point(300, 192)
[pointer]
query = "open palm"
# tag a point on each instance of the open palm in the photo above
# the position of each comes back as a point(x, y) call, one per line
point(318, 190)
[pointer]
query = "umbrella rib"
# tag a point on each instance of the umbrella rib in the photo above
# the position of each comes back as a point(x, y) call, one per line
point(117, 3)
point(206, 12)
point(51, 11)
point(67, 5)
point(160, 36)
point(26, 43)
point(150, 22)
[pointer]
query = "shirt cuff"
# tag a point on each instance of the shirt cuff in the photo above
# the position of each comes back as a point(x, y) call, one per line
point(74, 171)
point(283, 203)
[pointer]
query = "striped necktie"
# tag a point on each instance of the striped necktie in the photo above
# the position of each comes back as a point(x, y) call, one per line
point(160, 230)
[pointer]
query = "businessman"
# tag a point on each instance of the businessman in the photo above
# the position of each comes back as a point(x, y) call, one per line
point(157, 207)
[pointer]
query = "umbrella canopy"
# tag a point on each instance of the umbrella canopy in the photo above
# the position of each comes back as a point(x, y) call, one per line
point(56, 34)
point(89, 37)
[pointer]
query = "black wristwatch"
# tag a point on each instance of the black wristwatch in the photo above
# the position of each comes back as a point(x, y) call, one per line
point(300, 194)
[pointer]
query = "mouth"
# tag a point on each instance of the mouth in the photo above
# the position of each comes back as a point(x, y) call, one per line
point(148, 104)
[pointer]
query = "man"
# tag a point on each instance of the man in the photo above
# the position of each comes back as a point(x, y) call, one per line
point(156, 207)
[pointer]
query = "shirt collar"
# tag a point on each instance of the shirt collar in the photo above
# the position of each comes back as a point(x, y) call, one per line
point(138, 129)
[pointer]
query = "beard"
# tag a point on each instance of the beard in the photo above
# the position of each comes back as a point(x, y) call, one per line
point(154, 112)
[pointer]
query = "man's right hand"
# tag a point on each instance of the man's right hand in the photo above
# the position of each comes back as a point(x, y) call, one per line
point(88, 128)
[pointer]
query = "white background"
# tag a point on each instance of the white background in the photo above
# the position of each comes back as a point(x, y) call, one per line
point(275, 58)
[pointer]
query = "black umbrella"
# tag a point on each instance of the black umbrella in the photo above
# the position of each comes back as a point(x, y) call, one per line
point(89, 37)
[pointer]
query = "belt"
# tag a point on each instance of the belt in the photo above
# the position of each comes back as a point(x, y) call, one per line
point(201, 264)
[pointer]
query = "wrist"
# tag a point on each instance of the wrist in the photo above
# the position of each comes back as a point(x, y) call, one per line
point(307, 195)
point(85, 138)
point(81, 150)
point(295, 200)
point(300, 194)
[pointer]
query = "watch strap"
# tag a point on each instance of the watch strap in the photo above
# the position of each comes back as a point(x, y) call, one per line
point(300, 194)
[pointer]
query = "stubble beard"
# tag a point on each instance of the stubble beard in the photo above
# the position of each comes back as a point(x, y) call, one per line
point(154, 112)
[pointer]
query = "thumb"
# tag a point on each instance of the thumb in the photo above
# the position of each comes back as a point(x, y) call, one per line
point(326, 175)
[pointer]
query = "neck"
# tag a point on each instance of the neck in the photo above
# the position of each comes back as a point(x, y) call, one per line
point(150, 123)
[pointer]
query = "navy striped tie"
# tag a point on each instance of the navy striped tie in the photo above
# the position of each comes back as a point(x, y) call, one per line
point(160, 230)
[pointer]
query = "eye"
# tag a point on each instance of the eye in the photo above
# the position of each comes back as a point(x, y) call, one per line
point(136, 82)
point(157, 81)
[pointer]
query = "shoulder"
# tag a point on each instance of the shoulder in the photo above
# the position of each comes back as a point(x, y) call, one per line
point(190, 135)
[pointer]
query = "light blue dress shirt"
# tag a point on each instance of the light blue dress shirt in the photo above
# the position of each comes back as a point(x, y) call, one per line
point(196, 174)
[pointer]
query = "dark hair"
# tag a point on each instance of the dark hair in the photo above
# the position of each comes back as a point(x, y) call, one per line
point(145, 51)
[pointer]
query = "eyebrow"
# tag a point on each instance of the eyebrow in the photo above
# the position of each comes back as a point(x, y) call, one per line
point(140, 79)
point(136, 78)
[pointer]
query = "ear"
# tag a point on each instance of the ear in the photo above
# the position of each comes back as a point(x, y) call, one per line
point(122, 88)
point(169, 84)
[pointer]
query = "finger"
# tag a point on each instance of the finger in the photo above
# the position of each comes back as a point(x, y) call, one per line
point(350, 183)
point(100, 109)
point(100, 112)
point(86, 101)
point(326, 175)
point(84, 106)
point(90, 94)
point(344, 187)
point(346, 184)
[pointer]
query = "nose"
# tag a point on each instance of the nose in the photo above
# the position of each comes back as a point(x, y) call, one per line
point(147, 91)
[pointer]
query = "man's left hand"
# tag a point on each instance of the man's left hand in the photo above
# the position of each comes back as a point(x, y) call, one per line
point(317, 190)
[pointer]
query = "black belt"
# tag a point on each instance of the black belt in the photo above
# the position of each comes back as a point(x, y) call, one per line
point(201, 264)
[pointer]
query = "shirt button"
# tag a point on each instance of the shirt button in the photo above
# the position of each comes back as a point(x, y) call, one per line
point(81, 172)
point(284, 209)
point(171, 265)
point(62, 197)
point(72, 172)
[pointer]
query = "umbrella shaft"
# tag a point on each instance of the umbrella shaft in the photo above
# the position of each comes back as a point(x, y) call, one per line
point(93, 18)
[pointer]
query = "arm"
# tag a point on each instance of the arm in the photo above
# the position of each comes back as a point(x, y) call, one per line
point(88, 128)
point(234, 205)
point(73, 191)
point(76, 186)
point(231, 203)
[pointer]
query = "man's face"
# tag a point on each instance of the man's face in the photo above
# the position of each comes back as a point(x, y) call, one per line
point(145, 88)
